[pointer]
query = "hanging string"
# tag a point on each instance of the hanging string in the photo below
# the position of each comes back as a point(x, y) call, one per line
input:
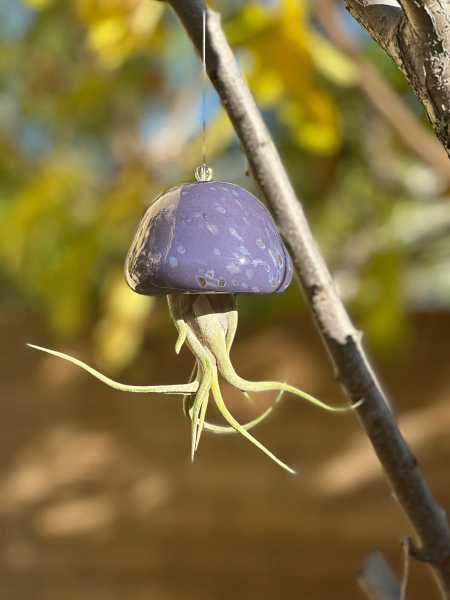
point(203, 172)
point(204, 83)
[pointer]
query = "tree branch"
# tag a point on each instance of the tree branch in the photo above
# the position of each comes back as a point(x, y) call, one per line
point(412, 132)
point(341, 338)
point(417, 38)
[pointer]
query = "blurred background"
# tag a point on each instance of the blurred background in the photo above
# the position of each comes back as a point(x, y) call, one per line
point(100, 111)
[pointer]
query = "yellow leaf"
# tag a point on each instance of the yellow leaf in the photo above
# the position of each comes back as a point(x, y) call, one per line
point(119, 333)
point(334, 65)
point(38, 4)
point(118, 28)
point(282, 73)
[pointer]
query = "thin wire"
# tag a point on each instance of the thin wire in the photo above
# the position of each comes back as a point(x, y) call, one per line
point(204, 85)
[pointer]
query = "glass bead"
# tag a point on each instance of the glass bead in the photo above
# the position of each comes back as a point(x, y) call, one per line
point(203, 173)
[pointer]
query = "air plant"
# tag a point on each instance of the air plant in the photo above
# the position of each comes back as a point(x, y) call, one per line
point(200, 244)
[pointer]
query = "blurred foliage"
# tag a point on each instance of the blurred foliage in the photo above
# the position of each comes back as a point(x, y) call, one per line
point(100, 110)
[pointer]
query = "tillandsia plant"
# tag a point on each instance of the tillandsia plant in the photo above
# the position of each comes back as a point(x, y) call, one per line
point(201, 243)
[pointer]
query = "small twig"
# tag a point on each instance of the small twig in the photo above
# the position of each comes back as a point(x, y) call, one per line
point(406, 545)
point(376, 579)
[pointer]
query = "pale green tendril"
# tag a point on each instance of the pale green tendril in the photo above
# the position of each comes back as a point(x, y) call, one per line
point(207, 324)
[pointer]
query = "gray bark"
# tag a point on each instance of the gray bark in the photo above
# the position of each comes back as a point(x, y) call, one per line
point(417, 38)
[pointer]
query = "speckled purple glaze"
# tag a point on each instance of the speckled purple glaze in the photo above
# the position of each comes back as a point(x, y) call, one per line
point(207, 237)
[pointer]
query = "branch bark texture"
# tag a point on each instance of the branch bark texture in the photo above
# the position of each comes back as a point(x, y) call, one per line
point(384, 99)
point(417, 38)
point(340, 336)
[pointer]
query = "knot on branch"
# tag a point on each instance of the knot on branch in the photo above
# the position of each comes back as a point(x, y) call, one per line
point(434, 556)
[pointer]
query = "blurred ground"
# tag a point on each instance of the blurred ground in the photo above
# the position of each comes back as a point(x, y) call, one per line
point(99, 500)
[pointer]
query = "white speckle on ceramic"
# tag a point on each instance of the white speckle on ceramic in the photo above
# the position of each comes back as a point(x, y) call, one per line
point(213, 228)
point(272, 256)
point(235, 233)
point(220, 209)
point(249, 273)
point(197, 215)
point(260, 243)
point(244, 285)
point(173, 261)
point(243, 250)
point(233, 268)
point(216, 252)
point(256, 290)
point(181, 249)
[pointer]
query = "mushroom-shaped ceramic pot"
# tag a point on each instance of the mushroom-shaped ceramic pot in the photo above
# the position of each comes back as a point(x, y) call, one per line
point(207, 237)
point(201, 243)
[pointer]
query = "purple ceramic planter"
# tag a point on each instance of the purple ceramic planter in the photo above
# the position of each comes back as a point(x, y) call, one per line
point(207, 237)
